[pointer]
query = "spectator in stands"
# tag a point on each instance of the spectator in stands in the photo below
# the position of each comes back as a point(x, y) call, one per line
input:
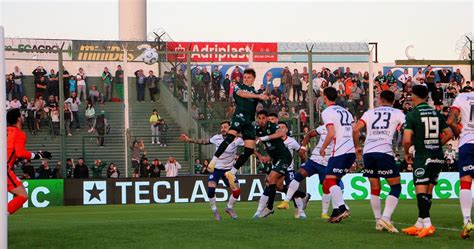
point(72, 86)
point(135, 148)
point(28, 170)
point(297, 85)
point(286, 82)
point(81, 84)
point(356, 94)
point(24, 105)
point(156, 168)
point(30, 118)
point(236, 74)
point(444, 75)
point(74, 102)
point(162, 130)
point(216, 79)
point(38, 73)
point(107, 81)
point(467, 88)
point(450, 153)
point(394, 88)
point(390, 78)
point(57, 172)
point(407, 108)
point(398, 162)
point(40, 87)
point(112, 171)
point(144, 168)
point(70, 167)
point(283, 114)
point(317, 83)
point(40, 104)
point(95, 95)
point(54, 113)
point(197, 166)
point(10, 86)
point(380, 78)
point(365, 80)
point(430, 78)
point(44, 171)
point(80, 170)
point(451, 166)
point(15, 103)
point(90, 116)
point(152, 83)
point(18, 82)
point(66, 78)
point(408, 87)
point(422, 83)
point(97, 168)
point(118, 80)
point(102, 127)
point(458, 77)
point(68, 119)
point(205, 167)
point(403, 78)
point(140, 81)
point(154, 122)
point(438, 96)
point(53, 84)
point(226, 85)
point(419, 76)
point(452, 90)
point(172, 167)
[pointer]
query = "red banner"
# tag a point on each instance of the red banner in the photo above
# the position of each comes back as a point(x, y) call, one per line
point(198, 47)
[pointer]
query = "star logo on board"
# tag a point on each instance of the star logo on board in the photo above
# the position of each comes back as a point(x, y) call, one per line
point(95, 192)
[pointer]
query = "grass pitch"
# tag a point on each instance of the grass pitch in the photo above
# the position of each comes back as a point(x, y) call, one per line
point(192, 226)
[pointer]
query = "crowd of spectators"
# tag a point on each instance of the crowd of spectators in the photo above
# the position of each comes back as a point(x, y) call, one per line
point(145, 169)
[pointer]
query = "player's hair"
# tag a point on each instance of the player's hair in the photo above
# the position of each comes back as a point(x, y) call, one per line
point(272, 114)
point(388, 96)
point(12, 116)
point(262, 112)
point(330, 93)
point(283, 122)
point(225, 122)
point(250, 71)
point(420, 91)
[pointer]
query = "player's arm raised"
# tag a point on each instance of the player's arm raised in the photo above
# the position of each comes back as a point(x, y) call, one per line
point(329, 138)
point(185, 138)
point(303, 150)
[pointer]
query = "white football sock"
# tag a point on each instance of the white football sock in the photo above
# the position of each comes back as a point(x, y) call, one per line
point(325, 202)
point(465, 198)
point(212, 201)
point(299, 203)
point(419, 223)
point(376, 206)
point(262, 203)
point(337, 199)
point(390, 205)
point(231, 202)
point(292, 188)
point(427, 222)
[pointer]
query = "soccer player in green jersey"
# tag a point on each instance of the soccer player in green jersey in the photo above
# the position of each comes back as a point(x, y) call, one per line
point(246, 100)
point(426, 129)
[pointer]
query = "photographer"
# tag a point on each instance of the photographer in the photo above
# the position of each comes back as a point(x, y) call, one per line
point(112, 171)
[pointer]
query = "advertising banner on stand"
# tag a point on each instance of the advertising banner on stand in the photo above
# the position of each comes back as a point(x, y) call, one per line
point(183, 189)
point(346, 47)
point(357, 187)
point(43, 193)
point(112, 50)
point(197, 47)
point(33, 49)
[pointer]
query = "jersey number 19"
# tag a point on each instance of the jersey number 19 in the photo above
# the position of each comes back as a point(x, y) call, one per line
point(431, 126)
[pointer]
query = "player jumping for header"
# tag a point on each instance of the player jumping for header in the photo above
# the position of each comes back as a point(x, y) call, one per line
point(381, 124)
point(246, 100)
point(426, 129)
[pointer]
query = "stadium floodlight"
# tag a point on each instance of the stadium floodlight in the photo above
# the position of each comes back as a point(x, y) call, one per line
point(3, 153)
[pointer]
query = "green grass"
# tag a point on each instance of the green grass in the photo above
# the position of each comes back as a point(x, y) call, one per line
point(192, 226)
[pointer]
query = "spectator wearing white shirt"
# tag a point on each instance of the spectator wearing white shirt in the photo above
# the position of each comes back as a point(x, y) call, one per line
point(15, 103)
point(81, 84)
point(419, 76)
point(404, 77)
point(172, 167)
point(317, 83)
point(74, 103)
point(450, 153)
